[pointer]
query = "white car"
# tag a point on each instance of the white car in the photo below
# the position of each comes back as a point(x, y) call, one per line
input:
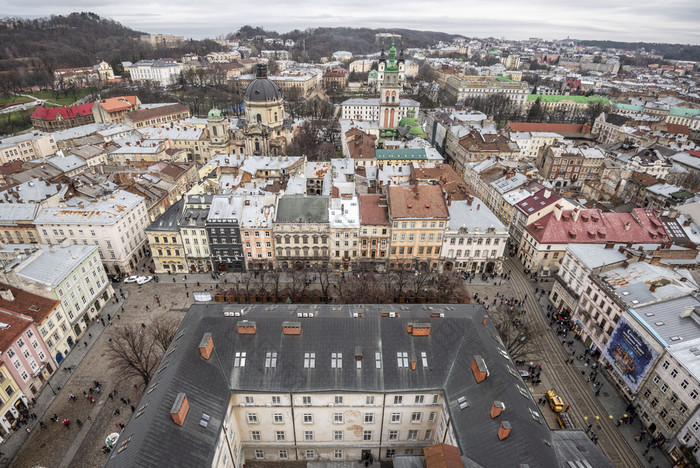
point(131, 279)
point(143, 279)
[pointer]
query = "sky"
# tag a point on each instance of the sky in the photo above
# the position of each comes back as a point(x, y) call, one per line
point(674, 21)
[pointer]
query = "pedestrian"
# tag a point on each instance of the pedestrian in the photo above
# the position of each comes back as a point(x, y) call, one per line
point(79, 422)
point(133, 408)
point(85, 343)
point(89, 335)
point(41, 424)
point(588, 429)
point(651, 458)
point(567, 409)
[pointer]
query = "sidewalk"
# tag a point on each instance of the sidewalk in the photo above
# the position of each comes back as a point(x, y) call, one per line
point(614, 404)
point(58, 380)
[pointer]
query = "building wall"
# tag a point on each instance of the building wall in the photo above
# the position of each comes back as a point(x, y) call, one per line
point(258, 247)
point(24, 358)
point(168, 252)
point(416, 243)
point(374, 244)
point(196, 245)
point(304, 243)
point(10, 395)
point(473, 251)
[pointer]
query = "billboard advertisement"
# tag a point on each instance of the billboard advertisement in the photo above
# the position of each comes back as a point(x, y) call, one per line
point(630, 354)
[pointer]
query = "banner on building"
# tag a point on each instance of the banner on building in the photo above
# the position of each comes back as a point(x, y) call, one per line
point(630, 354)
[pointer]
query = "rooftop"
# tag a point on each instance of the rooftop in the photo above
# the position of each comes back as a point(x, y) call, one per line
point(107, 210)
point(52, 264)
point(417, 201)
point(303, 209)
point(36, 308)
point(664, 319)
point(374, 210)
point(474, 216)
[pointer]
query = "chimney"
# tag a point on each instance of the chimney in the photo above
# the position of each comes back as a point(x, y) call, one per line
point(485, 319)
point(609, 245)
point(449, 202)
point(655, 260)
point(621, 249)
point(652, 287)
point(557, 211)
point(180, 409)
point(496, 409)
point(686, 223)
point(206, 346)
point(420, 329)
point(413, 365)
point(291, 328)
point(547, 193)
point(478, 206)
point(627, 226)
point(246, 327)
point(479, 369)
point(503, 430)
point(7, 295)
point(687, 311)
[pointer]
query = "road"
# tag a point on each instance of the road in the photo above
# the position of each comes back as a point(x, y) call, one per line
point(566, 379)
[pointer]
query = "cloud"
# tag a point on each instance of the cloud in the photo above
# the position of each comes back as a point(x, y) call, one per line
point(644, 20)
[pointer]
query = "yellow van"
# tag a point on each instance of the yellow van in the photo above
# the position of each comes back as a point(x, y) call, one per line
point(555, 402)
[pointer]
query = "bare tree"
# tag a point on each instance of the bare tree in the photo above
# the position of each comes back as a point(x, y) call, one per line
point(325, 279)
point(419, 280)
point(514, 332)
point(163, 329)
point(135, 354)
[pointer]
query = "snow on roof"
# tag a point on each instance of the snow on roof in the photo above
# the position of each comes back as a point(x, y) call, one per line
point(105, 211)
point(344, 213)
point(474, 216)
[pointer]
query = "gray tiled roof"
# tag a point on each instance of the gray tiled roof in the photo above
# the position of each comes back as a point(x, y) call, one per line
point(302, 209)
point(155, 440)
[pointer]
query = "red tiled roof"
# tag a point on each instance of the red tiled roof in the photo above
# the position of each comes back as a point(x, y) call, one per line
point(371, 211)
point(596, 227)
point(678, 129)
point(538, 200)
point(31, 305)
point(17, 325)
point(50, 113)
point(442, 456)
point(694, 153)
point(417, 201)
point(454, 187)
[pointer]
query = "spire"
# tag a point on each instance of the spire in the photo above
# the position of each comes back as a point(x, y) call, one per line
point(392, 53)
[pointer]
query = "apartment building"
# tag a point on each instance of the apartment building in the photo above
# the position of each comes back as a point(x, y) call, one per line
point(344, 220)
point(112, 110)
point(475, 239)
point(375, 232)
point(27, 147)
point(223, 229)
point(194, 233)
point(17, 223)
point(156, 115)
point(256, 228)
point(12, 402)
point(419, 217)
point(24, 352)
point(51, 119)
point(532, 208)
point(570, 166)
point(115, 223)
point(156, 72)
point(302, 231)
point(465, 87)
point(165, 242)
point(73, 276)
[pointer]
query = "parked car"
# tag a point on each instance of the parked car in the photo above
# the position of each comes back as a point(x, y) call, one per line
point(143, 279)
point(524, 374)
point(130, 279)
point(555, 402)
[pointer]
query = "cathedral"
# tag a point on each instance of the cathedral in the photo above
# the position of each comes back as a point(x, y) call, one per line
point(389, 108)
point(263, 132)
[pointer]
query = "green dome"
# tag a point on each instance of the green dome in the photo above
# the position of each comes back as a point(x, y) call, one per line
point(214, 113)
point(408, 121)
point(417, 131)
point(373, 74)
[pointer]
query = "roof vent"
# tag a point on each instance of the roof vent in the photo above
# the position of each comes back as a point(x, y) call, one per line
point(206, 346)
point(419, 329)
point(246, 327)
point(7, 295)
point(503, 430)
point(180, 409)
point(291, 328)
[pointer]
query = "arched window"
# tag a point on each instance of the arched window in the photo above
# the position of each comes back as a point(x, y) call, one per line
point(259, 118)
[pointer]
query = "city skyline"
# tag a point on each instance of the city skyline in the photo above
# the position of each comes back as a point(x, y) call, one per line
point(671, 22)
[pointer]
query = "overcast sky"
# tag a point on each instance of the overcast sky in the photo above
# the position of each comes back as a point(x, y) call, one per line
point(673, 21)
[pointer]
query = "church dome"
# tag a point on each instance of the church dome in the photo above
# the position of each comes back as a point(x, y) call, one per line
point(261, 89)
point(214, 113)
point(408, 121)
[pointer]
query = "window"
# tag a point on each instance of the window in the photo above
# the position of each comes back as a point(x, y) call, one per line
point(309, 436)
point(398, 399)
point(665, 364)
point(366, 435)
point(271, 360)
point(337, 454)
point(390, 453)
point(378, 360)
point(276, 400)
point(277, 418)
point(694, 394)
point(413, 434)
point(249, 400)
point(239, 361)
point(419, 399)
point(671, 423)
point(684, 384)
point(338, 400)
point(252, 418)
point(369, 418)
point(20, 342)
point(674, 373)
point(306, 400)
point(309, 360)
point(656, 379)
point(259, 454)
point(336, 360)
point(416, 417)
point(395, 418)
point(337, 418)
point(431, 417)
point(664, 388)
point(255, 435)
point(369, 400)
point(308, 418)
point(310, 453)
point(393, 435)
point(282, 454)
point(279, 436)
point(402, 359)
point(337, 435)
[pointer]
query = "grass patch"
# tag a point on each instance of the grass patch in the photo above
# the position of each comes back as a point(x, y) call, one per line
point(64, 97)
point(13, 122)
point(13, 99)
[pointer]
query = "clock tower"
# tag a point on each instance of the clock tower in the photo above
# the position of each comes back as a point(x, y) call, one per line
point(391, 75)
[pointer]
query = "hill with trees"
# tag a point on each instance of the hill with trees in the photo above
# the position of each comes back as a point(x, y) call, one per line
point(668, 51)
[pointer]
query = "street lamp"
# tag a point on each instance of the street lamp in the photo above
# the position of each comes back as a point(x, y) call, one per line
point(49, 384)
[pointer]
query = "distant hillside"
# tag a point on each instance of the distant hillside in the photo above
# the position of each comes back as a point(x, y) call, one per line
point(317, 43)
point(668, 51)
point(76, 40)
